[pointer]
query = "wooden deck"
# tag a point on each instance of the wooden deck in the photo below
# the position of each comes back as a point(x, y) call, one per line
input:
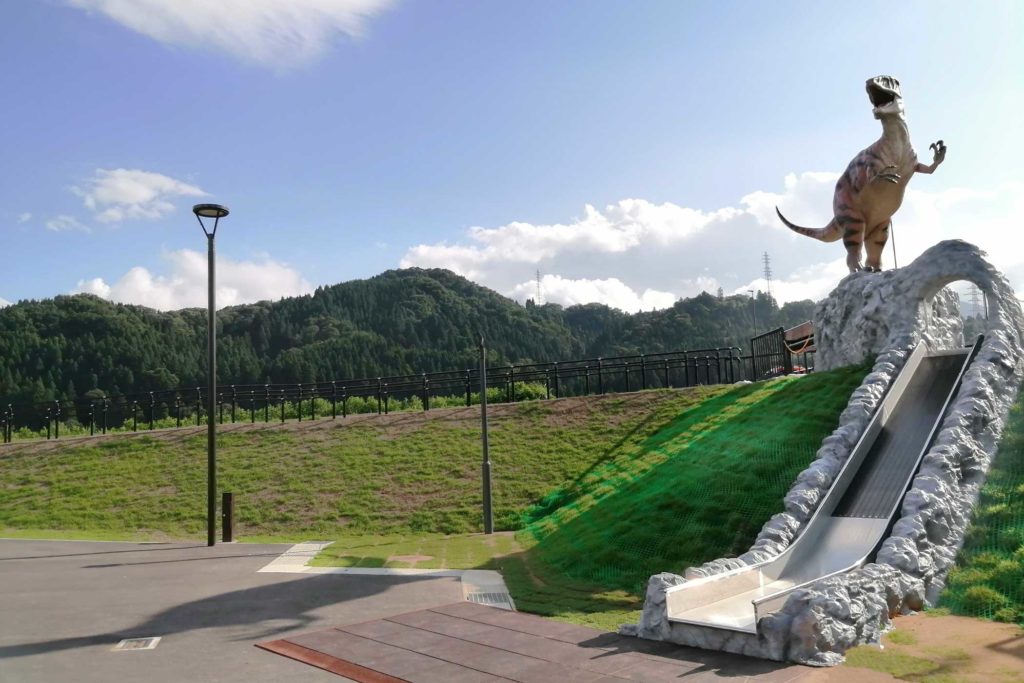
point(465, 642)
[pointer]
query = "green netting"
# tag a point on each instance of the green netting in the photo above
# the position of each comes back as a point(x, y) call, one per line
point(700, 488)
point(988, 580)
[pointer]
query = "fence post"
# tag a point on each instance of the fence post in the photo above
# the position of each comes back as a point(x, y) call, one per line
point(586, 380)
point(600, 377)
point(199, 405)
point(106, 407)
point(555, 364)
point(469, 389)
point(234, 403)
point(56, 419)
point(626, 367)
point(547, 383)
point(378, 396)
point(312, 402)
point(135, 416)
point(48, 424)
point(299, 401)
point(643, 372)
point(334, 401)
point(426, 393)
point(344, 403)
point(252, 406)
point(668, 376)
point(386, 399)
point(152, 409)
point(92, 418)
point(282, 406)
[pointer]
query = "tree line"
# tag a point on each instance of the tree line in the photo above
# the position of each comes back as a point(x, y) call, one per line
point(399, 322)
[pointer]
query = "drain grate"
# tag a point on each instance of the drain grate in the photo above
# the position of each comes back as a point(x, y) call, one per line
point(131, 644)
point(500, 600)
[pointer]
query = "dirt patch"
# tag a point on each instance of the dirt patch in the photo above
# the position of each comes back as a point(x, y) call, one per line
point(936, 649)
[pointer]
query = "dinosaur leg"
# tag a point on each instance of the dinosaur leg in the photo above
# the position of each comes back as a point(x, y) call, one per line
point(853, 240)
point(874, 243)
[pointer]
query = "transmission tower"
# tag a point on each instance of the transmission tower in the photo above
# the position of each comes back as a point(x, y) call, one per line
point(767, 272)
point(538, 287)
point(975, 301)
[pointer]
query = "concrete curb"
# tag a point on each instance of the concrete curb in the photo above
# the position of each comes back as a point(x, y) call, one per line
point(478, 585)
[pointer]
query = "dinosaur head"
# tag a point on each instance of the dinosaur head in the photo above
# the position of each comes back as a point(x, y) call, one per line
point(886, 96)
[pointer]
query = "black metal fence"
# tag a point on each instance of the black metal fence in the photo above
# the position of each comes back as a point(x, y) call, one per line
point(769, 357)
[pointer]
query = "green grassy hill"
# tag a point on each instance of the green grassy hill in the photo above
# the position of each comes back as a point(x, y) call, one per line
point(988, 580)
point(366, 474)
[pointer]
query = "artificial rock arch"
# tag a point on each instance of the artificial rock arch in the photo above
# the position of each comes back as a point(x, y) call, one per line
point(881, 315)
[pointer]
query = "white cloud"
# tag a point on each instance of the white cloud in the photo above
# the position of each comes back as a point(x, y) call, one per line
point(64, 223)
point(238, 282)
point(4, 302)
point(612, 291)
point(811, 282)
point(619, 228)
point(121, 194)
point(636, 254)
point(24, 217)
point(274, 33)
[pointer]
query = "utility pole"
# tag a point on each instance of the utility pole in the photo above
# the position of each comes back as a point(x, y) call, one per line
point(486, 464)
point(753, 308)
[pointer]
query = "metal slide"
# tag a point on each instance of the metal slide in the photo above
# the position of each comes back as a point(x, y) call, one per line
point(856, 514)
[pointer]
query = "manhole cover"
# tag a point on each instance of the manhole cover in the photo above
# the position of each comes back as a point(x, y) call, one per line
point(137, 644)
point(501, 600)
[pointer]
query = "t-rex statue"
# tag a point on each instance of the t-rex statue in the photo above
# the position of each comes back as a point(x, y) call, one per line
point(871, 189)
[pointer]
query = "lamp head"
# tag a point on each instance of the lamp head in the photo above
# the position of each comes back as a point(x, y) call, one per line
point(210, 210)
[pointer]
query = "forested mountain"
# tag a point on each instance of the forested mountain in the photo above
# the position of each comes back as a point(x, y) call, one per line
point(401, 321)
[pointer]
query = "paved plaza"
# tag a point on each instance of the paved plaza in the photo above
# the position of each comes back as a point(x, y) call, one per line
point(66, 604)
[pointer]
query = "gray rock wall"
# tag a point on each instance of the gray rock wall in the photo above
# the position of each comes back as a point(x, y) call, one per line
point(885, 314)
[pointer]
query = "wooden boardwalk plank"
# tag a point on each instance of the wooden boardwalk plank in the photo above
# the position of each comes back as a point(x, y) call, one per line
point(470, 643)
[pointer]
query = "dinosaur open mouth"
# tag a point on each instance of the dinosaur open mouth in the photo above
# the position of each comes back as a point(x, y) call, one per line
point(880, 96)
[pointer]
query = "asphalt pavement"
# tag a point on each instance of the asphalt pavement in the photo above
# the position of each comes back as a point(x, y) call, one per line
point(65, 604)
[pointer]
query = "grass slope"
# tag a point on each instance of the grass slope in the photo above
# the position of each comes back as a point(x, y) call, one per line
point(988, 580)
point(402, 473)
point(698, 489)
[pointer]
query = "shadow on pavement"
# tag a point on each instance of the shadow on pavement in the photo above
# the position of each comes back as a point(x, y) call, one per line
point(289, 601)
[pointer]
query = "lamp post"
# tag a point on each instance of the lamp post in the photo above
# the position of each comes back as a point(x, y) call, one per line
point(216, 212)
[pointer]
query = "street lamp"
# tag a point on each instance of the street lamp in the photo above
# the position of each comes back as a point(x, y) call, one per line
point(216, 212)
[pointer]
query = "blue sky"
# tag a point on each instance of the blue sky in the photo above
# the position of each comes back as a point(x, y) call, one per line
point(631, 152)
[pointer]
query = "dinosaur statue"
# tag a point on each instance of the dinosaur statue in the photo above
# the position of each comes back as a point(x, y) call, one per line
point(871, 190)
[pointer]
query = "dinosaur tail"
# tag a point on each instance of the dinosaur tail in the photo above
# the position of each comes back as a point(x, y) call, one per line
point(830, 233)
